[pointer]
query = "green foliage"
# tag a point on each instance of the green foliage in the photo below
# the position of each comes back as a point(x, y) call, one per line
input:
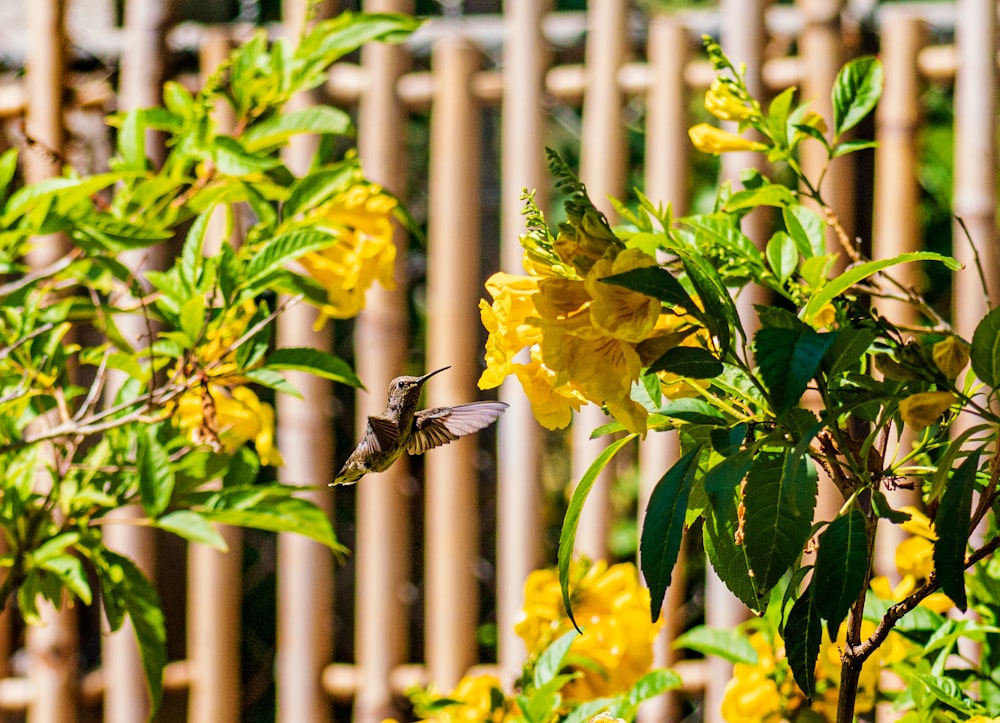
point(827, 384)
point(131, 385)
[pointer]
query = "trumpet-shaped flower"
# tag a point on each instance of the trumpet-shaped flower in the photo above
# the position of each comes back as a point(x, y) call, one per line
point(709, 139)
point(470, 702)
point(723, 101)
point(227, 418)
point(361, 219)
point(552, 405)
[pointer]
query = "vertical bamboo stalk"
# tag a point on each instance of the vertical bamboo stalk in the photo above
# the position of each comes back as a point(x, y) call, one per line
point(896, 228)
point(667, 163)
point(602, 169)
point(452, 333)
point(975, 186)
point(381, 341)
point(52, 646)
point(821, 44)
point(142, 69)
point(305, 432)
point(519, 438)
point(214, 577)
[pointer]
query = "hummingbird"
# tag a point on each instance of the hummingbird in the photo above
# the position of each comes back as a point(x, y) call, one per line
point(401, 428)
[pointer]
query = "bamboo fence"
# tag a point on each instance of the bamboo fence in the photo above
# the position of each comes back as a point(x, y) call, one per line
point(504, 65)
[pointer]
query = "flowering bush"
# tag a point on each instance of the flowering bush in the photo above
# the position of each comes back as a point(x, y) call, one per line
point(568, 676)
point(641, 320)
point(95, 416)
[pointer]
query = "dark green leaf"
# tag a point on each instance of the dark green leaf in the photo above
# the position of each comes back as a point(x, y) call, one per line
point(567, 538)
point(788, 360)
point(841, 568)
point(728, 559)
point(656, 282)
point(721, 481)
point(803, 634)
point(688, 361)
point(856, 90)
point(779, 497)
point(985, 350)
point(720, 316)
point(847, 349)
point(314, 361)
point(727, 442)
point(952, 526)
point(663, 527)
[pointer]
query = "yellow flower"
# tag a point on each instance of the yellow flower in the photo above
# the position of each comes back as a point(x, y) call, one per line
point(552, 406)
point(918, 524)
point(507, 322)
point(227, 418)
point(825, 318)
point(361, 219)
point(950, 356)
point(615, 310)
point(924, 408)
point(915, 556)
point(750, 697)
point(828, 668)
point(584, 238)
point(722, 102)
point(709, 139)
point(472, 703)
point(612, 608)
point(983, 719)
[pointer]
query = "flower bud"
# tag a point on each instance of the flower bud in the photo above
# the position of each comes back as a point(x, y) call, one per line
point(709, 139)
point(724, 104)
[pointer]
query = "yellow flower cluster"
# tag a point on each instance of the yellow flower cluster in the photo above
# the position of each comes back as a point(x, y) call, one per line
point(611, 607)
point(470, 702)
point(914, 563)
point(361, 218)
point(218, 409)
point(586, 340)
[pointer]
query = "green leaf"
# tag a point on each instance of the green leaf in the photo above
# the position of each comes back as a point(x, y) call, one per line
point(126, 590)
point(688, 361)
point(842, 149)
point(276, 130)
point(550, 662)
point(788, 360)
point(656, 282)
point(290, 514)
point(770, 194)
point(841, 568)
point(69, 569)
point(782, 255)
point(720, 316)
point(132, 140)
point(728, 442)
point(315, 188)
point(777, 116)
point(567, 537)
point(859, 273)
point(193, 527)
point(8, 167)
point(728, 559)
point(313, 361)
point(178, 99)
point(663, 527)
point(779, 497)
point(727, 643)
point(191, 252)
point(282, 250)
point(721, 481)
point(803, 635)
point(232, 159)
point(856, 90)
point(985, 350)
point(156, 475)
point(952, 526)
point(847, 349)
point(652, 684)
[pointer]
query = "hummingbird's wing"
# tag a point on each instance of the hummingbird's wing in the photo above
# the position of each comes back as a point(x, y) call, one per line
point(440, 425)
point(380, 435)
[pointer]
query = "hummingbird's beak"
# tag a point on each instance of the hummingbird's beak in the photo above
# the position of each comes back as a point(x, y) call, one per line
point(427, 376)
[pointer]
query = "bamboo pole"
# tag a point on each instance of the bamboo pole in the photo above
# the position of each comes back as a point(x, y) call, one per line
point(603, 156)
point(51, 645)
point(975, 186)
point(453, 284)
point(381, 341)
point(305, 433)
point(667, 144)
point(519, 439)
point(215, 577)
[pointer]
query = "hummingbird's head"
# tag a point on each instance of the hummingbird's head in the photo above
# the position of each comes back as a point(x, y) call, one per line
point(407, 389)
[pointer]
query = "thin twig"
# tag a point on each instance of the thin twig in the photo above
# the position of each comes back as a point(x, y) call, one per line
point(979, 261)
